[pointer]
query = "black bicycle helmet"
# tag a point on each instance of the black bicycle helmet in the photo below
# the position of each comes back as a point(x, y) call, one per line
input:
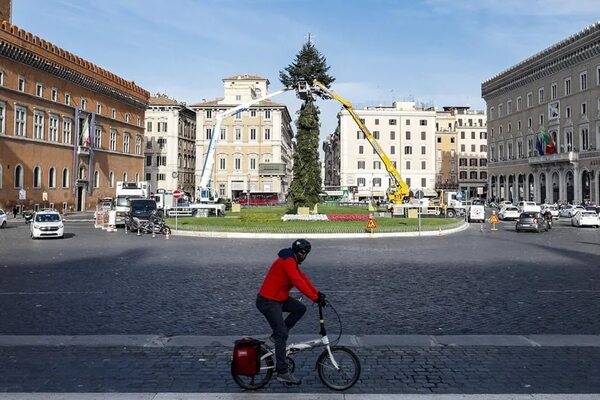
point(301, 248)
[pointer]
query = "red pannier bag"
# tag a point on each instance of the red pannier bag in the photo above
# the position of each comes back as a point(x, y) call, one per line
point(246, 357)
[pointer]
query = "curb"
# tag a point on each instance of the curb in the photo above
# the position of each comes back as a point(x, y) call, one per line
point(244, 235)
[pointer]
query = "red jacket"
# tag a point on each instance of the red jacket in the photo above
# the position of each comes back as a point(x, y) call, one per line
point(283, 275)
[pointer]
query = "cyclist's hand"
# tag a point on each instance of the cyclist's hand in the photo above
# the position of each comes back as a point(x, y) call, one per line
point(322, 299)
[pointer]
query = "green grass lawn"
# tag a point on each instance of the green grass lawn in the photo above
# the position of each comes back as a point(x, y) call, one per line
point(268, 219)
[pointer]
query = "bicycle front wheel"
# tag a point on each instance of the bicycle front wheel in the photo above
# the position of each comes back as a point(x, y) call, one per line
point(267, 366)
point(347, 373)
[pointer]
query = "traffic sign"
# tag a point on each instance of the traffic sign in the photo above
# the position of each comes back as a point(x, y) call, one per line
point(177, 194)
point(371, 225)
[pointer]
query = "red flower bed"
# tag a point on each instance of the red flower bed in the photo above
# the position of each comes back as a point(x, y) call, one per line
point(348, 217)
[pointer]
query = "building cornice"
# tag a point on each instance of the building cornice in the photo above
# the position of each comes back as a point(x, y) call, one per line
point(572, 51)
point(26, 48)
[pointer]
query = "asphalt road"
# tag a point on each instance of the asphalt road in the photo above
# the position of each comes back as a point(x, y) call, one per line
point(490, 282)
point(475, 282)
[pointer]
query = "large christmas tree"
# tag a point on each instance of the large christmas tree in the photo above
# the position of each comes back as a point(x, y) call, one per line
point(306, 185)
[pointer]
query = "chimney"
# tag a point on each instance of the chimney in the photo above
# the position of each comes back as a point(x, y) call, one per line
point(6, 10)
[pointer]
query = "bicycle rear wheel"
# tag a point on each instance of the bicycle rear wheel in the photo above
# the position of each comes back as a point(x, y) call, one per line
point(267, 366)
point(349, 368)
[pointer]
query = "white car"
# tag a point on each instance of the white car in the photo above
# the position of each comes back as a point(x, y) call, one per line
point(504, 203)
point(570, 210)
point(553, 210)
point(47, 224)
point(3, 218)
point(509, 212)
point(585, 218)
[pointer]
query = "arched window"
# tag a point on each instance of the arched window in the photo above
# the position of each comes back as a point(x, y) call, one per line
point(52, 178)
point(1, 176)
point(138, 145)
point(111, 179)
point(96, 179)
point(125, 176)
point(37, 177)
point(82, 173)
point(18, 177)
point(65, 178)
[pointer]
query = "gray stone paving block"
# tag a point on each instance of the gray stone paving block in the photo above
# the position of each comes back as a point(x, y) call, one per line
point(566, 340)
point(482, 340)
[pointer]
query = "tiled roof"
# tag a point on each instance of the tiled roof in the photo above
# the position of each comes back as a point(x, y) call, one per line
point(162, 100)
point(247, 77)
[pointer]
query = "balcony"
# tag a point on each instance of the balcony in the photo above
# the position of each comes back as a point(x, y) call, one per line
point(557, 158)
point(83, 150)
point(271, 169)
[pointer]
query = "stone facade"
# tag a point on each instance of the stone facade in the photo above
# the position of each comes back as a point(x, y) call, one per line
point(254, 149)
point(544, 124)
point(68, 128)
point(170, 145)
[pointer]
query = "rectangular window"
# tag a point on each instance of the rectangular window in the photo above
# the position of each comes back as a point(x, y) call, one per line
point(161, 161)
point(583, 81)
point(267, 114)
point(222, 189)
point(237, 164)
point(376, 134)
point(149, 126)
point(529, 100)
point(499, 110)
point(376, 164)
point(553, 91)
point(583, 108)
point(452, 140)
point(252, 134)
point(407, 164)
point(361, 165)
point(483, 148)
point(361, 181)
point(423, 164)
point(253, 163)
point(223, 134)
point(462, 135)
point(473, 148)
point(439, 140)
point(462, 148)
point(361, 149)
point(253, 113)
point(508, 107)
point(2, 121)
point(208, 114)
point(519, 103)
point(148, 161)
point(423, 150)
point(567, 86)
point(113, 140)
point(126, 143)
point(407, 150)
point(208, 132)
point(407, 135)
point(38, 125)
point(238, 134)
point(238, 115)
point(540, 95)
point(21, 85)
point(408, 181)
point(423, 182)
point(98, 138)
point(148, 176)
point(472, 135)
point(423, 135)
point(67, 131)
point(83, 104)
point(222, 162)
point(392, 122)
point(392, 149)
point(267, 134)
point(376, 182)
point(161, 177)
point(68, 99)
point(462, 162)
point(568, 112)
point(114, 114)
point(392, 135)
point(53, 128)
point(376, 121)
point(39, 90)
point(423, 122)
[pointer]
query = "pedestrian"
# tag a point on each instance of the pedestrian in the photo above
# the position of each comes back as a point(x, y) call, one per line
point(274, 299)
point(15, 211)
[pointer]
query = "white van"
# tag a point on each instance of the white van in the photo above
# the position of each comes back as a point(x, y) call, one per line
point(476, 213)
point(528, 206)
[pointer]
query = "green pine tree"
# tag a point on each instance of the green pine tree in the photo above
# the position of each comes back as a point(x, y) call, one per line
point(306, 184)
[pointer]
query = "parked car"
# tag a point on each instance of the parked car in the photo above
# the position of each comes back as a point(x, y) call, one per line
point(504, 203)
point(552, 209)
point(46, 224)
point(569, 210)
point(509, 212)
point(585, 218)
point(531, 221)
point(3, 218)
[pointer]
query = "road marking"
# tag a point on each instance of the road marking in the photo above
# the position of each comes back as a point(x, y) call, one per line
point(163, 341)
point(569, 291)
point(43, 293)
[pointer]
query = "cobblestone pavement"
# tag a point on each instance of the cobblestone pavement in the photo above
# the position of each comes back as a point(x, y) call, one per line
point(475, 282)
point(385, 370)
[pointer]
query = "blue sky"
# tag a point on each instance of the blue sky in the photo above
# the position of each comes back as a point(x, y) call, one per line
point(432, 51)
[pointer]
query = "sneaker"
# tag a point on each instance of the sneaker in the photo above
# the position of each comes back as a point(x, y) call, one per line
point(288, 378)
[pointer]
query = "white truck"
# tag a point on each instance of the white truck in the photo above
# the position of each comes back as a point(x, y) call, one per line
point(126, 191)
point(475, 211)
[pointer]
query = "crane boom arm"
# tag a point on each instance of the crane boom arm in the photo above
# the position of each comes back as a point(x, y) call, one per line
point(209, 160)
point(401, 188)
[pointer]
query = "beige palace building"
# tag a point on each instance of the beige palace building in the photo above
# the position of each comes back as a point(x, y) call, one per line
point(254, 149)
point(68, 128)
point(554, 94)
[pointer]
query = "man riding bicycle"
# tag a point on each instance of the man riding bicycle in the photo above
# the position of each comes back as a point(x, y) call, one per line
point(274, 299)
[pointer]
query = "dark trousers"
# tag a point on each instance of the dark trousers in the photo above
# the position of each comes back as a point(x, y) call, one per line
point(273, 312)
